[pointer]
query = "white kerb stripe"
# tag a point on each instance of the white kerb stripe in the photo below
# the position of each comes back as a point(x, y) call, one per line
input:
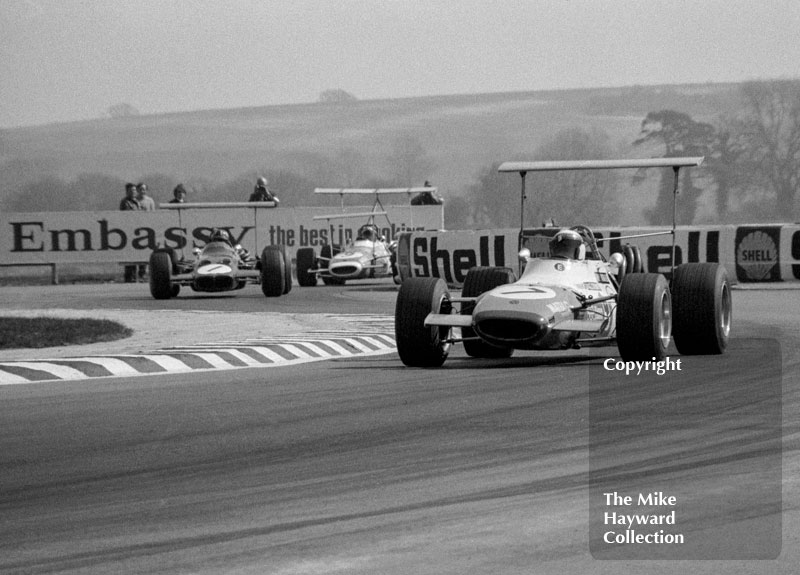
point(168, 362)
point(269, 354)
point(296, 351)
point(59, 371)
point(9, 378)
point(214, 359)
point(115, 366)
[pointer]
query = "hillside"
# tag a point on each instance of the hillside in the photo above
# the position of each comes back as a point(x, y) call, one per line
point(343, 144)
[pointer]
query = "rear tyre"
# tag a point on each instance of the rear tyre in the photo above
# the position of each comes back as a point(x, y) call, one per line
point(644, 317)
point(326, 254)
point(306, 260)
point(638, 262)
point(273, 271)
point(480, 280)
point(702, 308)
point(419, 345)
point(160, 275)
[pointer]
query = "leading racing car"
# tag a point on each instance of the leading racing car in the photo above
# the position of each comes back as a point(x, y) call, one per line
point(219, 266)
point(570, 298)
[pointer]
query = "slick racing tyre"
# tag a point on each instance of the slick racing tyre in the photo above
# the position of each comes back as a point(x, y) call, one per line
point(273, 271)
point(420, 345)
point(633, 259)
point(480, 280)
point(287, 266)
point(306, 260)
point(644, 317)
point(161, 275)
point(326, 254)
point(702, 308)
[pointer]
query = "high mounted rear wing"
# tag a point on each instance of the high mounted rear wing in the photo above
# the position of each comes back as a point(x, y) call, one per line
point(554, 166)
point(377, 192)
point(674, 163)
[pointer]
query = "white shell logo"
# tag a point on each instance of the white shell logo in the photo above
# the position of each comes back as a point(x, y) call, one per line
point(757, 254)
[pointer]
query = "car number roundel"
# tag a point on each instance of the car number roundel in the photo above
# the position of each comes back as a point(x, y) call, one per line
point(527, 292)
point(214, 269)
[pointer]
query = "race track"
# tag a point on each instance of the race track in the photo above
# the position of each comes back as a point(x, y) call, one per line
point(360, 465)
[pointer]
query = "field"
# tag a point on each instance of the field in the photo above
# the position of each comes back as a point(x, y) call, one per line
point(344, 144)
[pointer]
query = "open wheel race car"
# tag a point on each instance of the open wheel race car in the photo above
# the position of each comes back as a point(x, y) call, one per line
point(572, 298)
point(219, 267)
point(368, 256)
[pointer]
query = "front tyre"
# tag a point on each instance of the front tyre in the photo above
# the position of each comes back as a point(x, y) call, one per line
point(644, 317)
point(703, 308)
point(273, 271)
point(420, 345)
point(161, 275)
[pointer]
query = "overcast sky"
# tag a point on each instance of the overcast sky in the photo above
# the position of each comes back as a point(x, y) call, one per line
point(65, 60)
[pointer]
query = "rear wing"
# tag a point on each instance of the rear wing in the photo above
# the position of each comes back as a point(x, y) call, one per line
point(373, 191)
point(370, 215)
point(377, 193)
point(554, 166)
point(674, 163)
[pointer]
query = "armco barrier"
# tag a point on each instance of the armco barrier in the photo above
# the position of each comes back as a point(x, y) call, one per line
point(53, 238)
point(751, 253)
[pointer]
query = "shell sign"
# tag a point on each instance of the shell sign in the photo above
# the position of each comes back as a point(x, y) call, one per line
point(757, 253)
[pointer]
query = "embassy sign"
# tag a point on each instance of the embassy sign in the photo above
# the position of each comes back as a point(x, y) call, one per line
point(49, 238)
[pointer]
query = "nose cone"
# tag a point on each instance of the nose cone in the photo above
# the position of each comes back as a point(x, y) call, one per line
point(515, 315)
point(346, 269)
point(506, 329)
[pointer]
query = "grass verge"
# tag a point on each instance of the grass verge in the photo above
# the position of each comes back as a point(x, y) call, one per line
point(38, 332)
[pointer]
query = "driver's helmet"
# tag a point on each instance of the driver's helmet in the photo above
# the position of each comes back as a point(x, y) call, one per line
point(567, 244)
point(218, 235)
point(366, 233)
point(261, 182)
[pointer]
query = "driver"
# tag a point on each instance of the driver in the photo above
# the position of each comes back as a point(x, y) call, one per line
point(567, 244)
point(218, 235)
point(367, 233)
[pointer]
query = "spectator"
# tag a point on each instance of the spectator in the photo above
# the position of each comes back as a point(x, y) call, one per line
point(261, 193)
point(129, 203)
point(426, 198)
point(146, 203)
point(179, 194)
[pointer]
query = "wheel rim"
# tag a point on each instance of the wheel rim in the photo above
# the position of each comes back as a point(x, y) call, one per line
point(665, 319)
point(725, 312)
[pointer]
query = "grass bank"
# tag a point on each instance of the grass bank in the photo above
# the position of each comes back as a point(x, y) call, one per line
point(39, 332)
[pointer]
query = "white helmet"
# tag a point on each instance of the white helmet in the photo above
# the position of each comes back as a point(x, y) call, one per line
point(261, 182)
point(567, 244)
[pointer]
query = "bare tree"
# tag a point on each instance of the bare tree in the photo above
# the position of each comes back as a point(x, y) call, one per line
point(411, 160)
point(122, 110)
point(337, 96)
point(771, 128)
point(679, 135)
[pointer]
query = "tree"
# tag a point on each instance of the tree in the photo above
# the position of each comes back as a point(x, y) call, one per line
point(411, 160)
point(122, 110)
point(569, 198)
point(336, 96)
point(771, 130)
point(679, 135)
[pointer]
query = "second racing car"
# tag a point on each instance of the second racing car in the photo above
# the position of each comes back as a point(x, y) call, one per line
point(219, 266)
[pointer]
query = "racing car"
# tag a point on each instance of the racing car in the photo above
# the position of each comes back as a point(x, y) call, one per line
point(368, 256)
point(219, 266)
point(570, 298)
